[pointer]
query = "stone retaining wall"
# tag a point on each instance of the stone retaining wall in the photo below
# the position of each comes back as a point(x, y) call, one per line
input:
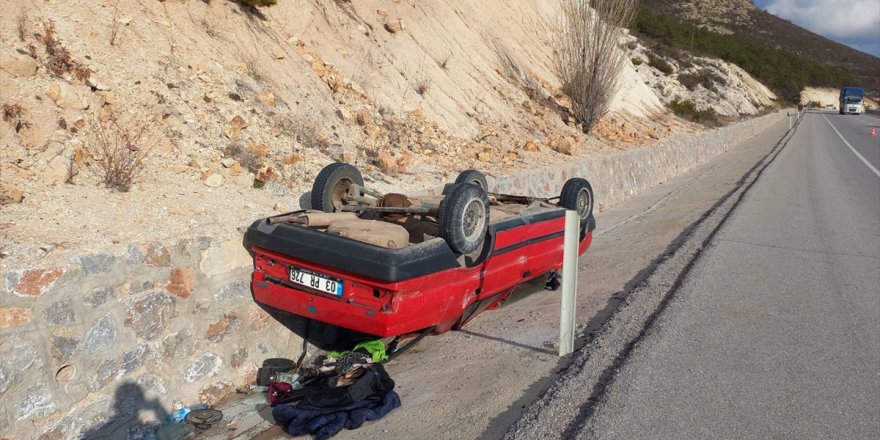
point(618, 176)
point(88, 344)
point(93, 342)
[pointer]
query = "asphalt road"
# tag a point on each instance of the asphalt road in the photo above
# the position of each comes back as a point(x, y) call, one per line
point(475, 383)
point(773, 330)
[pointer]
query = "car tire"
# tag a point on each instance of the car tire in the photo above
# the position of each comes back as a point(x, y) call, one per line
point(577, 195)
point(474, 177)
point(331, 184)
point(464, 218)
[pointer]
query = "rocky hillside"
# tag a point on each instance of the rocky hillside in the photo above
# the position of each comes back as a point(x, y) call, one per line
point(742, 18)
point(227, 100)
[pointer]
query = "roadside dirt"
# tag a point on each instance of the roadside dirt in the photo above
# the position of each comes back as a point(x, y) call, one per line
point(476, 382)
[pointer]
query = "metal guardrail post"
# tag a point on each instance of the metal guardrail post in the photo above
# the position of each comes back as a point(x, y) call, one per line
point(569, 282)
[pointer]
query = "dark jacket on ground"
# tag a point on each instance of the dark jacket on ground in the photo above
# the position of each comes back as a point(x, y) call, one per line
point(325, 423)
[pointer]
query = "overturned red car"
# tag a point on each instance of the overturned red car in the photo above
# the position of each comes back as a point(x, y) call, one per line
point(371, 265)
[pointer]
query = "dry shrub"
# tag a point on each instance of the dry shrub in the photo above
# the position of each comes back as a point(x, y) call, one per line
point(22, 24)
point(247, 159)
point(423, 84)
point(13, 114)
point(120, 149)
point(589, 58)
point(519, 75)
point(58, 60)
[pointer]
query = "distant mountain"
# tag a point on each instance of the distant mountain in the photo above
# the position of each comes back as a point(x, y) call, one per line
point(743, 19)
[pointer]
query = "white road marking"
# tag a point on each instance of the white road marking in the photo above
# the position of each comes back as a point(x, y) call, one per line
point(868, 164)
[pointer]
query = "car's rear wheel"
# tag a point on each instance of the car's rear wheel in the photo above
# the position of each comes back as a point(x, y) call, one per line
point(577, 195)
point(464, 217)
point(334, 180)
point(475, 177)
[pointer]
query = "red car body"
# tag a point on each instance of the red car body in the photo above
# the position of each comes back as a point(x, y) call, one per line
point(388, 292)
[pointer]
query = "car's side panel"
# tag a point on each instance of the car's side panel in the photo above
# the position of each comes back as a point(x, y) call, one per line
point(545, 250)
point(503, 270)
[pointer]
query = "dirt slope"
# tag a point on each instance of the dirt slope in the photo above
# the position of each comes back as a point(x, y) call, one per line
point(411, 92)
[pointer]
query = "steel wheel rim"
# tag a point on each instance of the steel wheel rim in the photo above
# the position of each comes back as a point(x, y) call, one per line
point(337, 196)
point(473, 218)
point(584, 203)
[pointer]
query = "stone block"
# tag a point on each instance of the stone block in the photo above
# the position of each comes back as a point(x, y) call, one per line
point(152, 382)
point(14, 317)
point(95, 264)
point(61, 312)
point(233, 290)
point(32, 282)
point(148, 316)
point(62, 348)
point(105, 373)
point(140, 286)
point(101, 335)
point(100, 296)
point(207, 364)
point(37, 402)
point(216, 392)
point(217, 331)
point(179, 345)
point(238, 357)
point(157, 256)
point(180, 283)
point(75, 424)
point(132, 359)
point(17, 357)
point(133, 256)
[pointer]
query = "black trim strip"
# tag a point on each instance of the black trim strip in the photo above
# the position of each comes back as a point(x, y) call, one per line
point(521, 244)
point(514, 222)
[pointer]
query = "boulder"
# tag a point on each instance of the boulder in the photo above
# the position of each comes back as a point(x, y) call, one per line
point(394, 26)
point(58, 170)
point(18, 64)
point(10, 194)
point(564, 146)
point(66, 96)
point(364, 118)
point(386, 162)
point(213, 180)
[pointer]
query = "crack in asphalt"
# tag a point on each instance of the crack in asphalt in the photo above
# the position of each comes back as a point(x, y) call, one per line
point(595, 366)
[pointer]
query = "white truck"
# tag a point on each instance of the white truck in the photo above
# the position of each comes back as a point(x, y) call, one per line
point(852, 100)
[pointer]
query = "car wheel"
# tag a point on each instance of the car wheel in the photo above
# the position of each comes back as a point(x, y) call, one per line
point(475, 177)
point(464, 218)
point(331, 185)
point(577, 195)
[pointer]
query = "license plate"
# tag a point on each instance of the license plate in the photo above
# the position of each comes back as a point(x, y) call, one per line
point(313, 280)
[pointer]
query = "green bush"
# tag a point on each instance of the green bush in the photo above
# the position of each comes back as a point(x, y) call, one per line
point(258, 3)
point(784, 72)
point(637, 61)
point(659, 63)
point(688, 110)
point(705, 77)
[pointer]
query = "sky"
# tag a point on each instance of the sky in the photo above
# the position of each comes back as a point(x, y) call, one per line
point(855, 23)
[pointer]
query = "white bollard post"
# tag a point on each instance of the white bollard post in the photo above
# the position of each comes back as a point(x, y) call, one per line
point(569, 282)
